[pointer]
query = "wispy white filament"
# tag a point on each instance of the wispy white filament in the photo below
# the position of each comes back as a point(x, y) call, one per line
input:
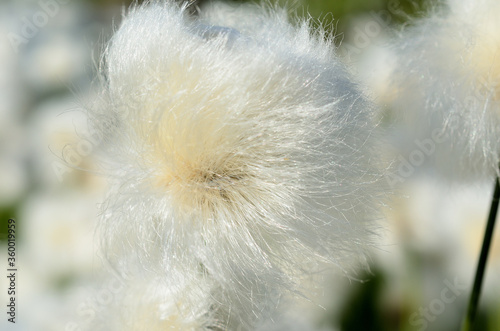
point(238, 148)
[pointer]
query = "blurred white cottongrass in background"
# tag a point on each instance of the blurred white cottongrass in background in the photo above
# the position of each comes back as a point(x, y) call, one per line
point(447, 80)
point(13, 171)
point(434, 235)
point(55, 219)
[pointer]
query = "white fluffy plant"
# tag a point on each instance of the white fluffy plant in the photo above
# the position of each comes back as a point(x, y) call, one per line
point(237, 148)
point(450, 90)
point(448, 84)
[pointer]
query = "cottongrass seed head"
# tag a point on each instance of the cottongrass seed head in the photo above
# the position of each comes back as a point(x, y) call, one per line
point(448, 81)
point(237, 147)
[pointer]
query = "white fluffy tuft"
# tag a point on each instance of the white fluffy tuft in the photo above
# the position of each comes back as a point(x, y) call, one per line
point(449, 83)
point(237, 147)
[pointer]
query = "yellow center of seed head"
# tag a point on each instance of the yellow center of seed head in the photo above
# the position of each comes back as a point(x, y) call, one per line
point(191, 152)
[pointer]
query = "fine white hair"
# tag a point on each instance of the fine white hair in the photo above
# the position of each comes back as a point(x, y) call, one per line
point(237, 147)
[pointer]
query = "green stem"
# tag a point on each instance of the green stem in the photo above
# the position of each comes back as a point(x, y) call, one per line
point(478, 281)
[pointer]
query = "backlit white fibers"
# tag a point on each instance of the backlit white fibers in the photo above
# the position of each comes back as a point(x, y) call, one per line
point(237, 147)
